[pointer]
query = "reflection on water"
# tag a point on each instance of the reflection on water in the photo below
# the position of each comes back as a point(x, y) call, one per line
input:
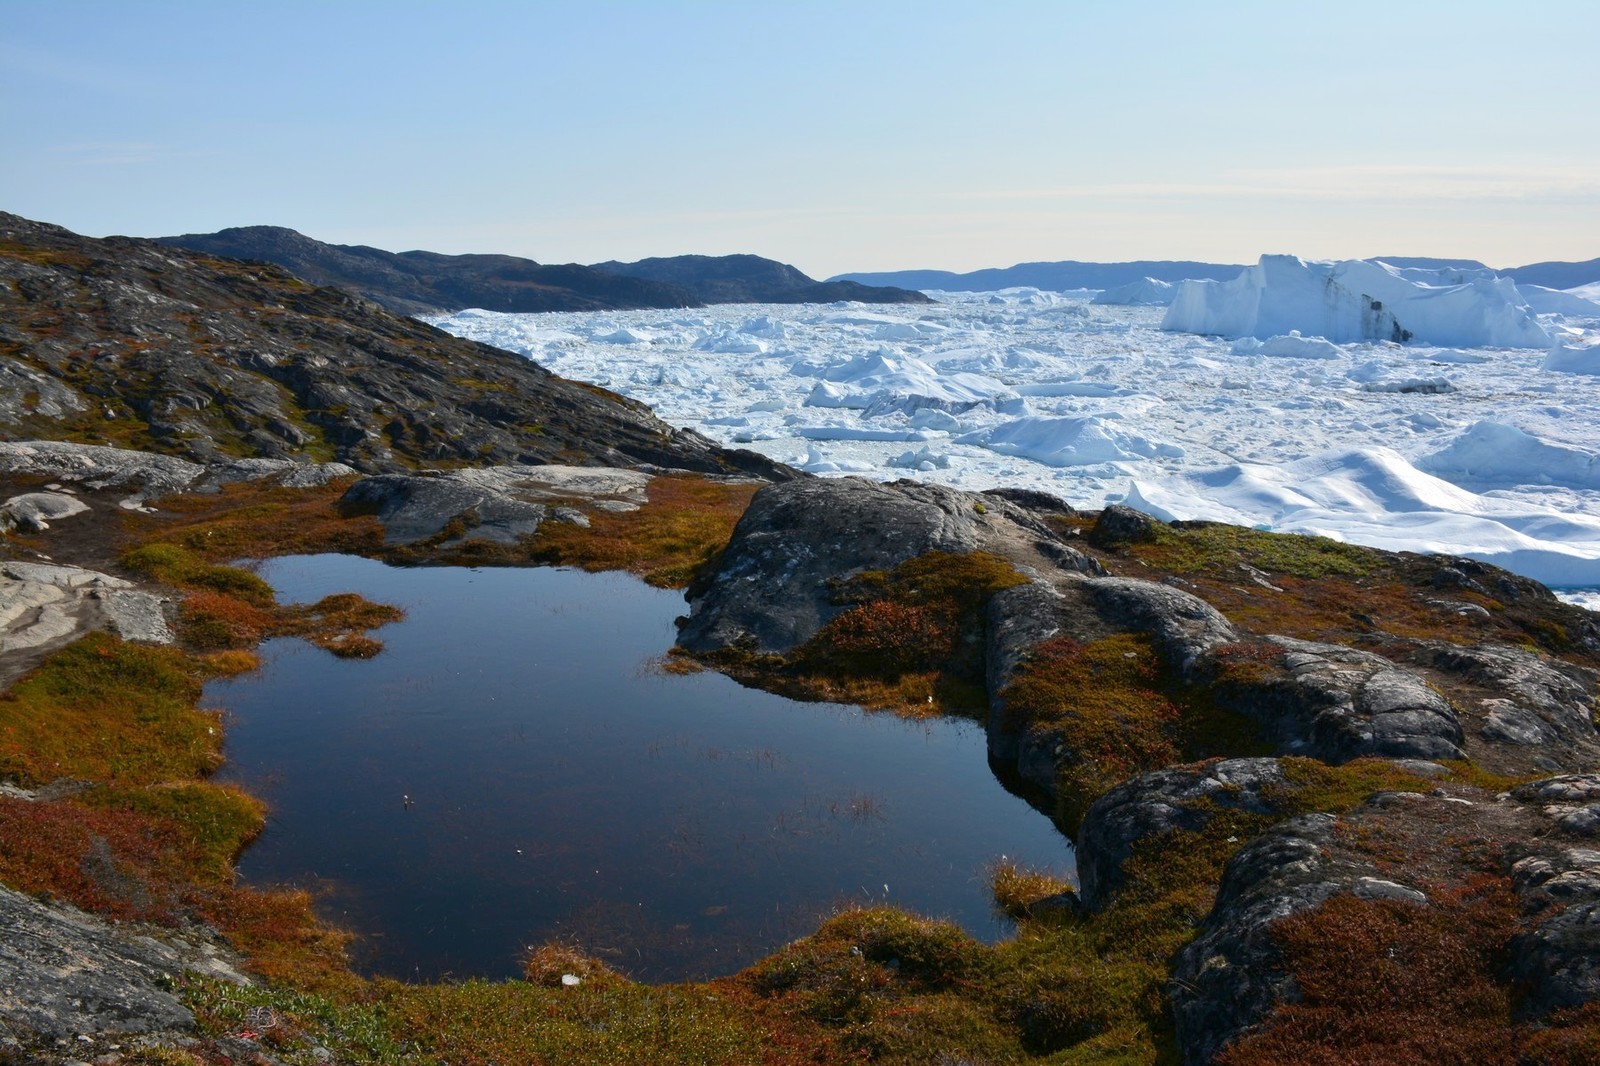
point(513, 770)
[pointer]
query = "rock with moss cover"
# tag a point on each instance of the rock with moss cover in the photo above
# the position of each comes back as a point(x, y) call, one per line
point(1149, 806)
point(1232, 976)
point(801, 541)
point(1184, 627)
point(1529, 701)
point(1336, 704)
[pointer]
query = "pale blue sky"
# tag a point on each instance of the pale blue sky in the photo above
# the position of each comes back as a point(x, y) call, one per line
point(833, 135)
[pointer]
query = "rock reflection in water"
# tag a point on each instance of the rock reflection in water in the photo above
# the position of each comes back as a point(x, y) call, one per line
point(512, 770)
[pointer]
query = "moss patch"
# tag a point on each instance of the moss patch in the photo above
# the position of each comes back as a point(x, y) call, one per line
point(668, 541)
point(1399, 983)
point(1117, 714)
point(104, 710)
point(256, 520)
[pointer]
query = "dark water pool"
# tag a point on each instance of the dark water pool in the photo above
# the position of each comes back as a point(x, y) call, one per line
point(514, 770)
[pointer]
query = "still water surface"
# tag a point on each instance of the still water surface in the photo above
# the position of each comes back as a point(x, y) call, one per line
point(512, 769)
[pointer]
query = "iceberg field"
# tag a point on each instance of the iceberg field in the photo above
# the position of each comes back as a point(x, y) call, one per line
point(1480, 436)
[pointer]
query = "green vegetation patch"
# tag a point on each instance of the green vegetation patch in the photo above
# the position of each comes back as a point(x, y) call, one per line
point(105, 710)
point(1117, 713)
point(227, 608)
point(1207, 547)
point(671, 539)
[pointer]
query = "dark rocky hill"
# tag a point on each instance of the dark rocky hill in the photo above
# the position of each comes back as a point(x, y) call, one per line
point(423, 283)
point(729, 279)
point(143, 345)
point(427, 283)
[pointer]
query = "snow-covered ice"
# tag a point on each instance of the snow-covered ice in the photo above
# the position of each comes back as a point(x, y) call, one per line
point(1490, 450)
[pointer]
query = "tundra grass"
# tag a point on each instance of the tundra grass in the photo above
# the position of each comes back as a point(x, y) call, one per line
point(685, 524)
point(229, 609)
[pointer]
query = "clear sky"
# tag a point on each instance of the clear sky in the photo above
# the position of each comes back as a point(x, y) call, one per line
point(837, 136)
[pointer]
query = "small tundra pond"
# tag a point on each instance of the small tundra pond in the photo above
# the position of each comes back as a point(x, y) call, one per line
point(516, 769)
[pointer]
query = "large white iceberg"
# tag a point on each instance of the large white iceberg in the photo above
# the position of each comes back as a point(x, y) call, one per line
point(1358, 300)
point(1574, 355)
point(1150, 292)
point(1555, 302)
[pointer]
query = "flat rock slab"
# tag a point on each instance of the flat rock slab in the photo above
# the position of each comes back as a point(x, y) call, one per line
point(499, 504)
point(33, 512)
point(149, 475)
point(66, 974)
point(42, 604)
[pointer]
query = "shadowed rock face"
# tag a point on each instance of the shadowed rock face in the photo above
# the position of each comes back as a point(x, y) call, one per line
point(162, 349)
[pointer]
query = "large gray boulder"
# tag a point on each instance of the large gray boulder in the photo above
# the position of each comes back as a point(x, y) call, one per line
point(1336, 704)
point(773, 588)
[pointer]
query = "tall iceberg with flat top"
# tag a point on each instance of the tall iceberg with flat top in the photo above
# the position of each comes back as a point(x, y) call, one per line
point(1358, 300)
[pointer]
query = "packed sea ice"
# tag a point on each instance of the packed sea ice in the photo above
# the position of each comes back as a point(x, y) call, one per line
point(1490, 450)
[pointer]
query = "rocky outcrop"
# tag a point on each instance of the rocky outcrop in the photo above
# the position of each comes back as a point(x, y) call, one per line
point(1232, 975)
point(172, 351)
point(773, 587)
point(1336, 704)
point(1151, 805)
point(1185, 628)
point(68, 976)
point(1525, 700)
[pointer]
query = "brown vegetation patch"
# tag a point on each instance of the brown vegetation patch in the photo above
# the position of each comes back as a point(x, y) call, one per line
point(1395, 983)
point(257, 520)
point(685, 524)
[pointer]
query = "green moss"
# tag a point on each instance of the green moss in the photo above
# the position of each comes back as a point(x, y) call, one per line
point(1116, 713)
point(215, 821)
point(104, 710)
point(180, 567)
point(1214, 548)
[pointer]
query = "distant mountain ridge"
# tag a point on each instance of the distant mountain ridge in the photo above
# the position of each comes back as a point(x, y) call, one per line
point(1072, 274)
point(1057, 277)
point(423, 283)
point(734, 279)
